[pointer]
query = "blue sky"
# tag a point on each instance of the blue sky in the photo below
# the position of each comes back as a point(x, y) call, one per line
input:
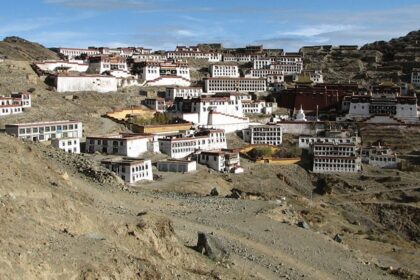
point(162, 24)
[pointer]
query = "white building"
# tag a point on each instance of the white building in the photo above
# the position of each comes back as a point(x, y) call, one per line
point(157, 104)
point(23, 98)
point(173, 165)
point(61, 65)
point(69, 145)
point(163, 74)
point(193, 52)
point(258, 107)
point(331, 137)
point(415, 77)
point(183, 92)
point(224, 70)
point(380, 156)
point(123, 144)
point(385, 108)
point(263, 63)
point(335, 158)
point(15, 103)
point(264, 73)
point(149, 57)
point(71, 53)
point(108, 64)
point(222, 112)
point(221, 160)
point(44, 131)
point(287, 69)
point(263, 134)
point(76, 83)
point(235, 84)
point(181, 147)
point(8, 106)
point(289, 64)
point(130, 170)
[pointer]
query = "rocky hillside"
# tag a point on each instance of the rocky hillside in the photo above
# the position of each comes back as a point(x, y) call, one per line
point(16, 48)
point(63, 217)
point(373, 62)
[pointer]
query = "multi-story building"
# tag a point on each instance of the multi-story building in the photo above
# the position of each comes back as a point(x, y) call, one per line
point(264, 73)
point(149, 57)
point(415, 77)
point(44, 131)
point(288, 69)
point(158, 104)
point(224, 70)
point(223, 112)
point(235, 84)
point(335, 158)
point(9, 106)
point(130, 170)
point(263, 134)
point(15, 103)
point(183, 92)
point(69, 145)
point(193, 52)
point(331, 137)
point(71, 53)
point(380, 156)
point(163, 74)
point(102, 64)
point(181, 147)
point(173, 165)
point(221, 160)
point(258, 107)
point(123, 144)
point(263, 63)
point(381, 108)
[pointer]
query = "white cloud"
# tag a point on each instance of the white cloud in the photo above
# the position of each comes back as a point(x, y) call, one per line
point(313, 30)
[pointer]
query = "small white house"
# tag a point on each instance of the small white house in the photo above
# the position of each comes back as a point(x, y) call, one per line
point(221, 160)
point(130, 170)
point(183, 92)
point(123, 144)
point(380, 156)
point(173, 165)
point(69, 145)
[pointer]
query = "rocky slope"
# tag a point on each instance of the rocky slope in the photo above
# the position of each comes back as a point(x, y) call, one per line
point(60, 224)
point(373, 62)
point(16, 48)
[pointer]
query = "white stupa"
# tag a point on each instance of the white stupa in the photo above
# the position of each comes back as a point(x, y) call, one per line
point(300, 116)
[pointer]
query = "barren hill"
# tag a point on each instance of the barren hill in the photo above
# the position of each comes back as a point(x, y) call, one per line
point(373, 62)
point(16, 48)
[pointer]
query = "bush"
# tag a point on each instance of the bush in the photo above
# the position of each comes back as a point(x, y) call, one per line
point(261, 152)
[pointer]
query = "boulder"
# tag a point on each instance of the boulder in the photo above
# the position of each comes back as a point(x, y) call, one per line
point(210, 246)
point(214, 192)
point(303, 224)
point(338, 238)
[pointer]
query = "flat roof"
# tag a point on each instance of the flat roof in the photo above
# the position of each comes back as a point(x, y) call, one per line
point(121, 136)
point(44, 123)
point(125, 161)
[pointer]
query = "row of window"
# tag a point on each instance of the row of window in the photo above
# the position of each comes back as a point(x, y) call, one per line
point(11, 110)
point(53, 128)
